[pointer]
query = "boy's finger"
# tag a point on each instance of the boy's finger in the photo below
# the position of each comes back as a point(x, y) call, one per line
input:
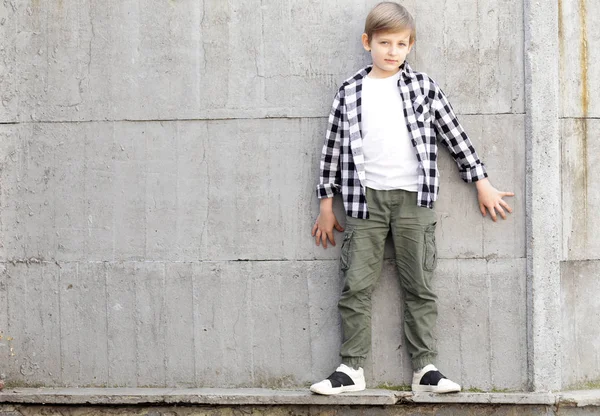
point(505, 205)
point(338, 226)
point(493, 213)
point(482, 209)
point(324, 239)
point(331, 238)
point(508, 194)
point(314, 229)
point(318, 237)
point(501, 211)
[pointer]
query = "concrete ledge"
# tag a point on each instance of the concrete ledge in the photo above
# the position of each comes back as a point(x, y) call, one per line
point(225, 397)
point(236, 397)
point(479, 398)
point(580, 398)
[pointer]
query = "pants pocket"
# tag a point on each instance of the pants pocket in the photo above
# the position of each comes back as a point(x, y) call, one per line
point(345, 254)
point(430, 249)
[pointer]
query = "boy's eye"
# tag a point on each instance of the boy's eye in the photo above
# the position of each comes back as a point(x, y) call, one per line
point(384, 42)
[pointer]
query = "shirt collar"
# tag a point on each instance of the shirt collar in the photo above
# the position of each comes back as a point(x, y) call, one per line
point(407, 70)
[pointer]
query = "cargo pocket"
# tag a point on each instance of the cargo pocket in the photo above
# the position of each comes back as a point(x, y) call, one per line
point(430, 249)
point(345, 254)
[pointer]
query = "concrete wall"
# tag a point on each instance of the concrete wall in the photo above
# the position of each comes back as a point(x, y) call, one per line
point(580, 175)
point(158, 166)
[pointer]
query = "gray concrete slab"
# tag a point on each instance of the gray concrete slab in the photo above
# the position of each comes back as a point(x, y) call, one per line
point(121, 324)
point(438, 52)
point(71, 304)
point(151, 324)
point(580, 314)
point(325, 284)
point(83, 324)
point(242, 193)
point(99, 161)
point(7, 156)
point(92, 328)
point(508, 316)
point(295, 323)
point(224, 293)
point(580, 176)
point(99, 195)
point(33, 324)
point(500, 144)
point(208, 348)
point(8, 56)
point(448, 331)
point(502, 147)
point(227, 67)
point(180, 354)
point(131, 184)
point(131, 191)
point(28, 195)
point(5, 338)
point(473, 307)
point(480, 320)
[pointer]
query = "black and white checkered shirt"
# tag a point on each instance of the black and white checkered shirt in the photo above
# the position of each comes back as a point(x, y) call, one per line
point(428, 116)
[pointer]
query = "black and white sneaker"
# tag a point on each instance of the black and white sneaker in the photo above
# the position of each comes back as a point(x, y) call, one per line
point(342, 380)
point(431, 380)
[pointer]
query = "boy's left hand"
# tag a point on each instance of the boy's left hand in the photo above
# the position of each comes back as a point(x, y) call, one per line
point(491, 199)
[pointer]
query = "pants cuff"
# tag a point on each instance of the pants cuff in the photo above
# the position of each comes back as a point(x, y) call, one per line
point(354, 362)
point(423, 360)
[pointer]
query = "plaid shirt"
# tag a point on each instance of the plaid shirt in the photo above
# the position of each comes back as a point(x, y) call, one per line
point(428, 116)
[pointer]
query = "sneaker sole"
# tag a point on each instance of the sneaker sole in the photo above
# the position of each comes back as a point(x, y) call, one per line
point(434, 389)
point(338, 390)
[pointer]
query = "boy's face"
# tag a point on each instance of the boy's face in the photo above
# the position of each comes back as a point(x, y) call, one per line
point(388, 51)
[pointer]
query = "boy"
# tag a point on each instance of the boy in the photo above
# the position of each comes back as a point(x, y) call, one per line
point(380, 153)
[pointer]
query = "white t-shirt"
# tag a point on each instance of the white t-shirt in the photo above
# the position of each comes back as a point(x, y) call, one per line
point(390, 159)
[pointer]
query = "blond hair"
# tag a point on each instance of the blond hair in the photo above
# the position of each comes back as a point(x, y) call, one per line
point(390, 17)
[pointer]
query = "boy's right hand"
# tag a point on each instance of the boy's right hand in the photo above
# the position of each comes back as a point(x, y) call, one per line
point(323, 228)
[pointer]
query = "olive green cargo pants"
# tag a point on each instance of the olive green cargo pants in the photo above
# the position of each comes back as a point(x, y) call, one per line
point(413, 232)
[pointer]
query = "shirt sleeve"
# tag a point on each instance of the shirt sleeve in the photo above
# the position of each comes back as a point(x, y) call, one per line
point(328, 178)
point(453, 137)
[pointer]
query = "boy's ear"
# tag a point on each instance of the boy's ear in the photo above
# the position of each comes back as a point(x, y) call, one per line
point(365, 42)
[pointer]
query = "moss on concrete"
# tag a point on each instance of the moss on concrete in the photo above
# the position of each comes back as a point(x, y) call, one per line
point(401, 387)
point(586, 385)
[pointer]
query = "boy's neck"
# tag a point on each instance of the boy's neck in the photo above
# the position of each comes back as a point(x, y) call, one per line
point(377, 75)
